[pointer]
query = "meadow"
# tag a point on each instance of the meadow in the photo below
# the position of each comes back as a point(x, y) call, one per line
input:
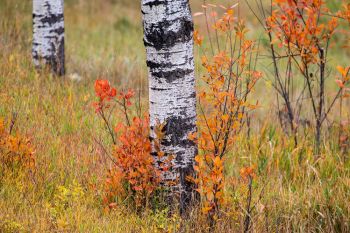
point(292, 190)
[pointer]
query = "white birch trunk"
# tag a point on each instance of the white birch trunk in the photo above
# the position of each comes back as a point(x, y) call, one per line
point(168, 38)
point(48, 35)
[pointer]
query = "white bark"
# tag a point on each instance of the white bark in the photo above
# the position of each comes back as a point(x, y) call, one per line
point(48, 34)
point(168, 38)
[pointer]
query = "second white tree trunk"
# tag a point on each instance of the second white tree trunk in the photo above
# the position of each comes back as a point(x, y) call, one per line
point(48, 35)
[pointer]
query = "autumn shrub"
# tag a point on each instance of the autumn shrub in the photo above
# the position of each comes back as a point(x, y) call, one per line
point(16, 151)
point(230, 76)
point(132, 178)
point(134, 175)
point(301, 34)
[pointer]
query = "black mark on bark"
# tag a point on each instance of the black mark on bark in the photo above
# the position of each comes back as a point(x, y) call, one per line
point(173, 75)
point(158, 36)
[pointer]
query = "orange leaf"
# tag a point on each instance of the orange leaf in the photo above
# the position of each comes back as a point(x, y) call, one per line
point(217, 161)
point(342, 70)
point(340, 83)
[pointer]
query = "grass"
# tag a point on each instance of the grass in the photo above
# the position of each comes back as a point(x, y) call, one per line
point(293, 190)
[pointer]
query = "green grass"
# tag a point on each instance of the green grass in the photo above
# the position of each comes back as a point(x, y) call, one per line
point(293, 190)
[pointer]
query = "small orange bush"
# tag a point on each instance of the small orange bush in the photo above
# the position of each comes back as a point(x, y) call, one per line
point(297, 26)
point(133, 175)
point(15, 150)
point(223, 102)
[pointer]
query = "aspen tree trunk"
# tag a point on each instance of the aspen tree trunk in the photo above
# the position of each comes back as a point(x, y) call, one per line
point(168, 38)
point(48, 35)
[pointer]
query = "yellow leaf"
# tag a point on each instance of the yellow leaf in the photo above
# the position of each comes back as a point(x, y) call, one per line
point(225, 117)
point(206, 209)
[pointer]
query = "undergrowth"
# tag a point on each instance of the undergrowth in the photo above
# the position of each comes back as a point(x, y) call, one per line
point(58, 158)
